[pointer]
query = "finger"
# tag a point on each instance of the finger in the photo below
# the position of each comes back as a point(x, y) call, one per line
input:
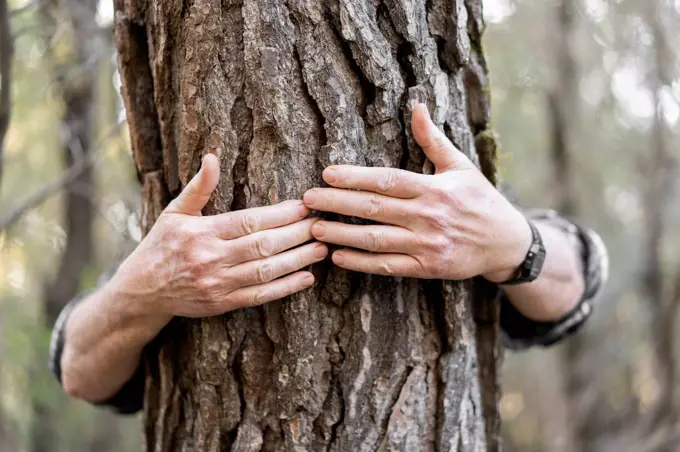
point(270, 242)
point(266, 270)
point(437, 147)
point(232, 225)
point(371, 206)
point(275, 290)
point(196, 194)
point(376, 238)
point(378, 264)
point(386, 181)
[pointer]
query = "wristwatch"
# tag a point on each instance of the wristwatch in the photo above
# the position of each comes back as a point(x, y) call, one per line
point(531, 267)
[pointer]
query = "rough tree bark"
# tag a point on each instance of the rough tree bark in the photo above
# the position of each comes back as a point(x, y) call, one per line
point(279, 89)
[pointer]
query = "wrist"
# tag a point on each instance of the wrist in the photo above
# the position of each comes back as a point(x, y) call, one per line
point(132, 311)
point(512, 249)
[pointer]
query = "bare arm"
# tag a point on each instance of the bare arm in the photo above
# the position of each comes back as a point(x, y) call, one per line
point(559, 287)
point(103, 341)
point(188, 266)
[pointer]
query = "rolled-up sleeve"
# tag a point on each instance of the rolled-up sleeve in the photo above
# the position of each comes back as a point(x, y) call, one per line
point(520, 332)
point(130, 398)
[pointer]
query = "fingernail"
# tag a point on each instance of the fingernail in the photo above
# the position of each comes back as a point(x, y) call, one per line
point(303, 211)
point(320, 251)
point(308, 281)
point(310, 197)
point(318, 229)
point(330, 175)
point(338, 258)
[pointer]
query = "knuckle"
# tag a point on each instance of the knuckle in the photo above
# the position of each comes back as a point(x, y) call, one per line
point(447, 245)
point(260, 297)
point(205, 289)
point(453, 238)
point(262, 247)
point(230, 224)
point(265, 272)
point(431, 242)
point(437, 219)
point(250, 223)
point(299, 261)
point(373, 207)
point(388, 181)
point(201, 264)
point(387, 268)
point(440, 191)
point(375, 241)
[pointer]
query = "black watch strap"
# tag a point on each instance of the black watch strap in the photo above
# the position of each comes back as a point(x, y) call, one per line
point(531, 267)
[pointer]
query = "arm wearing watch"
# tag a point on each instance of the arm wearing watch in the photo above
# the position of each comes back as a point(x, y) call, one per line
point(560, 295)
point(455, 225)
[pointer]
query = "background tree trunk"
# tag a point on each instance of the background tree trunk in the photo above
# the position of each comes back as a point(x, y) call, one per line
point(279, 90)
point(657, 284)
point(564, 108)
point(74, 79)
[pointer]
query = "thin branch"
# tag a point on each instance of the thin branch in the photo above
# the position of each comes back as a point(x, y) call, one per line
point(67, 178)
point(47, 191)
point(6, 56)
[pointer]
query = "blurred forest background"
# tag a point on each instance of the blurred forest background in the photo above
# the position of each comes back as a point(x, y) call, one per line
point(586, 98)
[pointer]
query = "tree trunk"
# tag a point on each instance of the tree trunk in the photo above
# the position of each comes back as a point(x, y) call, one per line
point(279, 90)
point(75, 77)
point(660, 173)
point(71, 24)
point(563, 107)
point(6, 58)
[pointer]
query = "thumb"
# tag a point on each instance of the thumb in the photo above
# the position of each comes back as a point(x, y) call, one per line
point(196, 194)
point(437, 147)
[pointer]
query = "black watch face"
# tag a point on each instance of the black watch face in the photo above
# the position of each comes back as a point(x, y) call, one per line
point(533, 262)
point(537, 264)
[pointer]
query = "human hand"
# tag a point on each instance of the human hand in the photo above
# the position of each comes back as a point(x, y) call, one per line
point(195, 266)
point(451, 225)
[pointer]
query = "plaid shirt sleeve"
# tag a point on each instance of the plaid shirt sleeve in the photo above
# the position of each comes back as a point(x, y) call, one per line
point(130, 397)
point(519, 332)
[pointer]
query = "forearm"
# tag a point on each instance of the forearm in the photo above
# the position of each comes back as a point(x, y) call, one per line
point(104, 339)
point(560, 286)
